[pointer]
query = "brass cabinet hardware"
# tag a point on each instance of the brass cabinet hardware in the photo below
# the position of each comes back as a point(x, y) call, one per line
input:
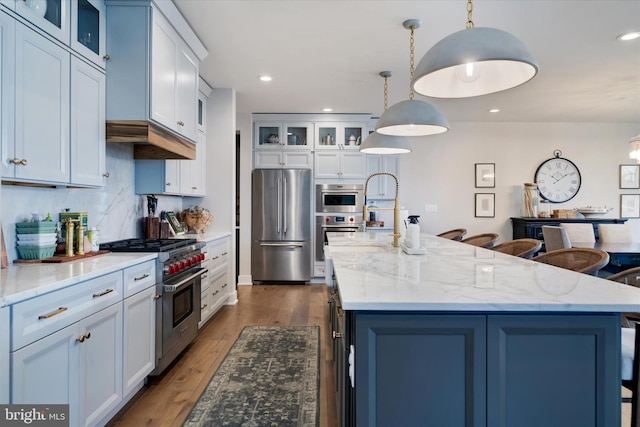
point(224, 286)
point(194, 188)
point(215, 293)
point(224, 253)
point(180, 123)
point(106, 57)
point(336, 335)
point(144, 276)
point(202, 307)
point(103, 293)
point(106, 174)
point(17, 161)
point(53, 313)
point(168, 184)
point(83, 337)
point(157, 296)
point(215, 257)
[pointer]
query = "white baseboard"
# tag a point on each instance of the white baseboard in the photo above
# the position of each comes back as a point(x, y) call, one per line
point(245, 279)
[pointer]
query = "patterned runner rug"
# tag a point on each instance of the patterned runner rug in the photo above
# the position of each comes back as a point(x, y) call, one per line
point(270, 377)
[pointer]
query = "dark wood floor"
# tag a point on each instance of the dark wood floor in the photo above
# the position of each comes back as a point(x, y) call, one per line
point(167, 399)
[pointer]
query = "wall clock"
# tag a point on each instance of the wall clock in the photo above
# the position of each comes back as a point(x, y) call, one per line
point(558, 179)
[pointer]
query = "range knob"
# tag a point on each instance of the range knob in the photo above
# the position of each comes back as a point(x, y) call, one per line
point(183, 265)
point(201, 257)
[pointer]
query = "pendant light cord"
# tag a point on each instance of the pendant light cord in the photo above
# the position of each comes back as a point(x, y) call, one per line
point(470, 23)
point(386, 92)
point(411, 62)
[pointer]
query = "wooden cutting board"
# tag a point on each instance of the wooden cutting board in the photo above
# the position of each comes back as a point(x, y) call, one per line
point(58, 258)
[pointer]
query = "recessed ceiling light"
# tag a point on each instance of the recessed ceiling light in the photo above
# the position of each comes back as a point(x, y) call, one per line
point(494, 110)
point(629, 36)
point(327, 110)
point(265, 78)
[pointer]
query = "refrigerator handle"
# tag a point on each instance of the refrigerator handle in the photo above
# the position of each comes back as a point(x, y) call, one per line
point(284, 206)
point(279, 207)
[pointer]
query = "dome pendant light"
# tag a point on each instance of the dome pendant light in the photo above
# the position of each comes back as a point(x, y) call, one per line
point(473, 62)
point(412, 117)
point(376, 143)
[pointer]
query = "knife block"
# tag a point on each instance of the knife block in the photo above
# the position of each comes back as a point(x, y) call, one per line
point(152, 227)
point(164, 230)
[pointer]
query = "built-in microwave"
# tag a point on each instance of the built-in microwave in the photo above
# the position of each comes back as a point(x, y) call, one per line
point(339, 198)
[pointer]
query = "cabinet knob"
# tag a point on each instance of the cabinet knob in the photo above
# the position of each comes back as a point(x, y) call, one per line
point(168, 184)
point(106, 174)
point(157, 296)
point(180, 123)
point(106, 57)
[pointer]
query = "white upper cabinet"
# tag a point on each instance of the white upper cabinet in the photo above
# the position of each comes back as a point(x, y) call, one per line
point(283, 135)
point(7, 89)
point(51, 16)
point(152, 71)
point(87, 124)
point(174, 80)
point(382, 187)
point(41, 147)
point(88, 26)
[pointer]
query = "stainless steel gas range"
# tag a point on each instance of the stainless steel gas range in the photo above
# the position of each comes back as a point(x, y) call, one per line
point(178, 275)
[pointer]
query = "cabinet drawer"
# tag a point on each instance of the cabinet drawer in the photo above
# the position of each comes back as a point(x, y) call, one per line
point(218, 288)
point(139, 277)
point(218, 252)
point(43, 315)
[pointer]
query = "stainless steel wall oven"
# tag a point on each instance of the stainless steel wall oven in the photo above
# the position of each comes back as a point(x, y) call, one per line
point(339, 198)
point(334, 222)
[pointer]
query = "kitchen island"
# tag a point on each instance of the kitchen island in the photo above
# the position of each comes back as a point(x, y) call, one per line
point(466, 336)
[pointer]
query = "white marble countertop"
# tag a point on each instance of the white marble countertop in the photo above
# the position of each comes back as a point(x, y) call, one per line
point(20, 282)
point(454, 276)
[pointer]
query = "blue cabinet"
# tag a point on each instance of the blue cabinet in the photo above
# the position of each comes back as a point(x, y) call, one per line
point(483, 369)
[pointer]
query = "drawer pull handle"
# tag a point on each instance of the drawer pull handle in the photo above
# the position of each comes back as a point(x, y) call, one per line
point(224, 253)
point(203, 307)
point(215, 293)
point(336, 335)
point(83, 337)
point(144, 276)
point(103, 293)
point(215, 257)
point(53, 313)
point(224, 286)
point(204, 276)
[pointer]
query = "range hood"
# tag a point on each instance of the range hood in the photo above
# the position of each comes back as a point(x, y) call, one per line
point(151, 140)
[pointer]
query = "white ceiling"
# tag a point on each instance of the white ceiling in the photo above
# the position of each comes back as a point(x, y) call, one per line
point(329, 53)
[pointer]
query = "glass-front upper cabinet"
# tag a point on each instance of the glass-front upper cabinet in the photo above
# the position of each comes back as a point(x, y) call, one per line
point(283, 135)
point(298, 135)
point(88, 19)
point(347, 136)
point(52, 16)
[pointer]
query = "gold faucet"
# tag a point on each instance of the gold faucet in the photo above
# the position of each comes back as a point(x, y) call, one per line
point(396, 208)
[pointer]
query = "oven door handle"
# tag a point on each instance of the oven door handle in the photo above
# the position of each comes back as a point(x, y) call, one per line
point(177, 286)
point(283, 245)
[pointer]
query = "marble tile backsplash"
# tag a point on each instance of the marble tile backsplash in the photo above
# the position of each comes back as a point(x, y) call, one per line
point(115, 209)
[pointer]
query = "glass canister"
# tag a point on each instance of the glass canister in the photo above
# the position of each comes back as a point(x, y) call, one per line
point(544, 211)
point(531, 200)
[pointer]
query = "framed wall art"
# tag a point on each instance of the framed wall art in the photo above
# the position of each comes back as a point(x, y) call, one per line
point(485, 175)
point(630, 206)
point(485, 205)
point(629, 176)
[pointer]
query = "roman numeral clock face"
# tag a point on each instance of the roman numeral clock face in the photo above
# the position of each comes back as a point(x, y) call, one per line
point(558, 179)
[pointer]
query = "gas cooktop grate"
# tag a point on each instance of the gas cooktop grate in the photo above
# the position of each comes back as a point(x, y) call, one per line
point(146, 245)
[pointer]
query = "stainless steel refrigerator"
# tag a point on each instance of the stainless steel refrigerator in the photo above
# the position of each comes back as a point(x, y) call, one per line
point(281, 225)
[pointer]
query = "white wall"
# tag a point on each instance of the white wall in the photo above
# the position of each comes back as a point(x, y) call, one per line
point(246, 166)
point(441, 171)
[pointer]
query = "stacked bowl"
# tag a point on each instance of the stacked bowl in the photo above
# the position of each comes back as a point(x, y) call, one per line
point(36, 240)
